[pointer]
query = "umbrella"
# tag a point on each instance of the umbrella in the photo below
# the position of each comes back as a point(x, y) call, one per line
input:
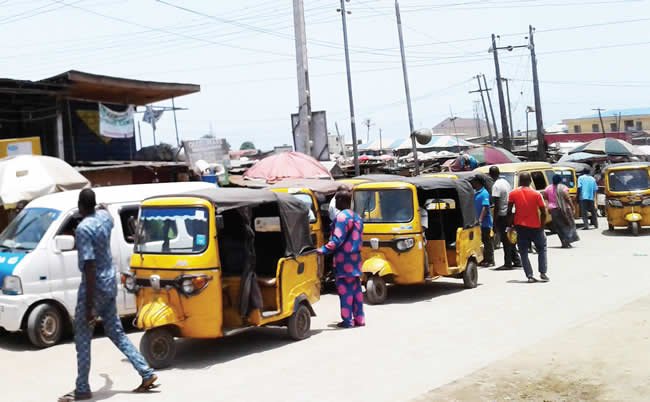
point(26, 177)
point(287, 165)
point(449, 141)
point(578, 167)
point(609, 147)
point(489, 155)
point(580, 157)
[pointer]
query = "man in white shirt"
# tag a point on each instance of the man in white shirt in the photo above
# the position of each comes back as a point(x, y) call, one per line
point(500, 190)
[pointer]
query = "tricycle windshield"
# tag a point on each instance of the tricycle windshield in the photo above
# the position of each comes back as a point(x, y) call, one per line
point(27, 229)
point(384, 206)
point(172, 230)
point(567, 177)
point(629, 180)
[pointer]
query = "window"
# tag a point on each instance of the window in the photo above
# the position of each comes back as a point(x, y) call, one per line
point(27, 229)
point(577, 128)
point(173, 230)
point(629, 180)
point(128, 218)
point(613, 127)
point(307, 200)
point(595, 128)
point(628, 124)
point(639, 126)
point(539, 180)
point(390, 206)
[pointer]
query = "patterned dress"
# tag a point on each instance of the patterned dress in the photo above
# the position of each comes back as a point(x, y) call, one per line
point(345, 243)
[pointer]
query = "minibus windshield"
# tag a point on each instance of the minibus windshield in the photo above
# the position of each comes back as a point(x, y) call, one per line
point(172, 230)
point(629, 180)
point(27, 229)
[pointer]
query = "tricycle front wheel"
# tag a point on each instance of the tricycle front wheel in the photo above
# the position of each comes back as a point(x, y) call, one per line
point(376, 290)
point(470, 275)
point(158, 347)
point(634, 228)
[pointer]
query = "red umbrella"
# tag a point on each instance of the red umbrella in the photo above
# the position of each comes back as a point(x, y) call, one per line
point(489, 155)
point(287, 165)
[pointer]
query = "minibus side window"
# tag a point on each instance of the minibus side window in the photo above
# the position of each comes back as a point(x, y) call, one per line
point(538, 180)
point(129, 220)
point(70, 226)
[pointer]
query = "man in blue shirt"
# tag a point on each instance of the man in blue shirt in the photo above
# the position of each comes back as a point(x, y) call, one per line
point(468, 162)
point(96, 297)
point(587, 189)
point(482, 205)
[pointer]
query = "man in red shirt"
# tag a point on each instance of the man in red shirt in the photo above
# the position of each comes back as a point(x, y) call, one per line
point(529, 218)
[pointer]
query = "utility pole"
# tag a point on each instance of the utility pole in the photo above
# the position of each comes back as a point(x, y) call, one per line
point(505, 132)
point(541, 146)
point(478, 118)
point(368, 123)
point(407, 89)
point(487, 118)
point(353, 126)
point(600, 117)
point(302, 130)
point(178, 140)
point(381, 144)
point(494, 120)
point(512, 129)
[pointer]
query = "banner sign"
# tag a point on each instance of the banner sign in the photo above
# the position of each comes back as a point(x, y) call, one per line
point(114, 124)
point(213, 150)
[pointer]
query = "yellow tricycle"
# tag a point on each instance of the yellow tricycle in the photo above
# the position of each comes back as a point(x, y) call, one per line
point(627, 189)
point(417, 229)
point(212, 263)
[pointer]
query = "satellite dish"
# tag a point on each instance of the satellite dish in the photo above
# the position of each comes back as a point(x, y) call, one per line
point(422, 135)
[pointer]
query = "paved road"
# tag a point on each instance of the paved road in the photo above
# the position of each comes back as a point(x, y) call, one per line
point(423, 338)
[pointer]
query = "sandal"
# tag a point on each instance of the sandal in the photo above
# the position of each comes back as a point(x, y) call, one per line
point(76, 396)
point(147, 384)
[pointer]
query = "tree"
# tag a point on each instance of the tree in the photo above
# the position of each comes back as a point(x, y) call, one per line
point(246, 145)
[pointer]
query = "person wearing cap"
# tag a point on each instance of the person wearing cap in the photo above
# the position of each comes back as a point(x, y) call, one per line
point(96, 297)
point(482, 206)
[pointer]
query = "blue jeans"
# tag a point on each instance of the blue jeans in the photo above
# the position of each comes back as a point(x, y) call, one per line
point(524, 237)
point(83, 334)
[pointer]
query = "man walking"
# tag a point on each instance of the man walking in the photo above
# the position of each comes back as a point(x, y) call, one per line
point(500, 193)
point(587, 189)
point(529, 217)
point(482, 206)
point(96, 297)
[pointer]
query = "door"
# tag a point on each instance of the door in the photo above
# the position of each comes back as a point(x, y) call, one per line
point(122, 240)
point(64, 266)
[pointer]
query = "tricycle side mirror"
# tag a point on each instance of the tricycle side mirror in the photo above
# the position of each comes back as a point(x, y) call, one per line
point(64, 243)
point(220, 222)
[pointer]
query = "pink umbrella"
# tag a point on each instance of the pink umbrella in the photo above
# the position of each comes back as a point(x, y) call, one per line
point(287, 165)
point(489, 155)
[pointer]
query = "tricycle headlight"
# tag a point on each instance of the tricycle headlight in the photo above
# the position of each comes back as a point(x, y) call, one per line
point(615, 203)
point(405, 244)
point(12, 285)
point(187, 286)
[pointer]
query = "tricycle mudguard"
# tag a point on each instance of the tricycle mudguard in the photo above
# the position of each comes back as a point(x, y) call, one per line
point(154, 314)
point(377, 265)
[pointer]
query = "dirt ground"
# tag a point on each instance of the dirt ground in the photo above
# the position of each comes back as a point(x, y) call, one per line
point(606, 359)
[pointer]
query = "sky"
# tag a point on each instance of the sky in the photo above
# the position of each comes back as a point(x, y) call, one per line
point(591, 54)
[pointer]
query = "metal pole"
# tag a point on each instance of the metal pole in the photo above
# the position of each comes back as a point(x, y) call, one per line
point(453, 122)
point(527, 140)
point(512, 129)
point(541, 146)
point(303, 128)
point(494, 121)
point(381, 144)
point(178, 141)
point(505, 132)
point(487, 118)
point(140, 135)
point(407, 89)
point(353, 127)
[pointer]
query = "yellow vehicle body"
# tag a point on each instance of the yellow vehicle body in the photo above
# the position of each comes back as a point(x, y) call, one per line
point(422, 260)
point(214, 310)
point(627, 189)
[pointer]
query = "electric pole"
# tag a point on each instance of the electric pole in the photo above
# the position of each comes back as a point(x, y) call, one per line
point(353, 126)
point(541, 146)
point(368, 124)
point(600, 117)
point(505, 132)
point(478, 119)
point(512, 129)
point(302, 130)
point(407, 89)
point(487, 118)
point(494, 120)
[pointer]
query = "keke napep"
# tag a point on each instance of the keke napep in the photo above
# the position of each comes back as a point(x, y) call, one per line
point(215, 262)
point(416, 229)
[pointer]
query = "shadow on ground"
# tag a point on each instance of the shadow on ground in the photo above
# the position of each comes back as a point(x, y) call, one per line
point(409, 294)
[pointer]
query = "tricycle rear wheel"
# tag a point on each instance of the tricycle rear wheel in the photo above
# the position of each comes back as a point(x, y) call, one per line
point(158, 347)
point(470, 275)
point(299, 324)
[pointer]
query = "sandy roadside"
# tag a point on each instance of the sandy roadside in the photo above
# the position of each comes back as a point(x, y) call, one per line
point(606, 359)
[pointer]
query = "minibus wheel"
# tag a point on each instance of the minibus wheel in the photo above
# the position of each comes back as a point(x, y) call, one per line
point(45, 325)
point(299, 324)
point(376, 290)
point(158, 347)
point(470, 275)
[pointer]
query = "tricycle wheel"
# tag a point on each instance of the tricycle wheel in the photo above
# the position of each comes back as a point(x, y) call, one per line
point(611, 228)
point(158, 347)
point(470, 275)
point(300, 323)
point(634, 228)
point(45, 326)
point(376, 290)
